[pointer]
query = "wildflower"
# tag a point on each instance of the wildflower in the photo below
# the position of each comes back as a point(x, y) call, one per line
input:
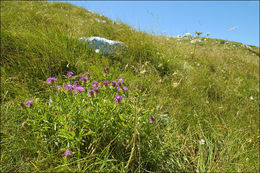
point(51, 80)
point(105, 83)
point(76, 83)
point(207, 101)
point(125, 89)
point(97, 50)
point(202, 142)
point(91, 93)
point(118, 84)
point(188, 34)
point(58, 87)
point(29, 103)
point(79, 89)
point(251, 98)
point(137, 87)
point(113, 82)
point(67, 153)
point(83, 78)
point(68, 87)
point(87, 74)
point(106, 70)
point(118, 99)
point(121, 79)
point(96, 90)
point(152, 119)
point(118, 88)
point(95, 84)
point(69, 74)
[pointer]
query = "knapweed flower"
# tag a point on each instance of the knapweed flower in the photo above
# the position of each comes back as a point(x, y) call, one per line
point(119, 84)
point(118, 88)
point(118, 99)
point(113, 82)
point(67, 153)
point(76, 83)
point(58, 87)
point(105, 83)
point(91, 93)
point(125, 89)
point(68, 87)
point(152, 119)
point(121, 79)
point(95, 84)
point(79, 89)
point(96, 90)
point(70, 74)
point(106, 70)
point(29, 103)
point(51, 80)
point(87, 74)
point(83, 78)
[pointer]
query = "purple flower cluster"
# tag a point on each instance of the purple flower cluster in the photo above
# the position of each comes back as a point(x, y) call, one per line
point(118, 99)
point(69, 87)
point(51, 80)
point(105, 83)
point(95, 84)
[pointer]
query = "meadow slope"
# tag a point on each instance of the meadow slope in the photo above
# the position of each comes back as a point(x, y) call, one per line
point(205, 104)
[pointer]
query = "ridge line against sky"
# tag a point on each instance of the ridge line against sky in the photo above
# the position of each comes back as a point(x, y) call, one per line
point(228, 20)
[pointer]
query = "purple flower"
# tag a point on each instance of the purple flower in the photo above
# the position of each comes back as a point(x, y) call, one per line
point(67, 153)
point(118, 88)
point(68, 87)
point(106, 70)
point(121, 79)
point(152, 119)
point(125, 89)
point(87, 74)
point(95, 84)
point(119, 84)
point(58, 87)
point(76, 83)
point(118, 99)
point(79, 89)
point(83, 78)
point(113, 82)
point(25, 104)
point(105, 83)
point(91, 93)
point(51, 80)
point(29, 103)
point(69, 74)
point(96, 90)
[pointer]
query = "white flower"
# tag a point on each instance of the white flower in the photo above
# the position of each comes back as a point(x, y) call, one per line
point(207, 101)
point(188, 34)
point(202, 142)
point(97, 50)
point(251, 98)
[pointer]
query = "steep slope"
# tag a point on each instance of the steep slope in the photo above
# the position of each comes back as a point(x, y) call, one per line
point(207, 92)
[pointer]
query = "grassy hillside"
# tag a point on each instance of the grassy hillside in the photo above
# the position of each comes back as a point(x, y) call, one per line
point(205, 102)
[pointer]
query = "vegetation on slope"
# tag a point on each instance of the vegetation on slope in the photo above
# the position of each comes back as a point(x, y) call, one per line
point(205, 103)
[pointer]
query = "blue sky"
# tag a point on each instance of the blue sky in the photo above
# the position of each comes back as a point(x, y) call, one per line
point(173, 18)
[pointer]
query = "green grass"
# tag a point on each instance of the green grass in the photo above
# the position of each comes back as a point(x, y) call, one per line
point(193, 97)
